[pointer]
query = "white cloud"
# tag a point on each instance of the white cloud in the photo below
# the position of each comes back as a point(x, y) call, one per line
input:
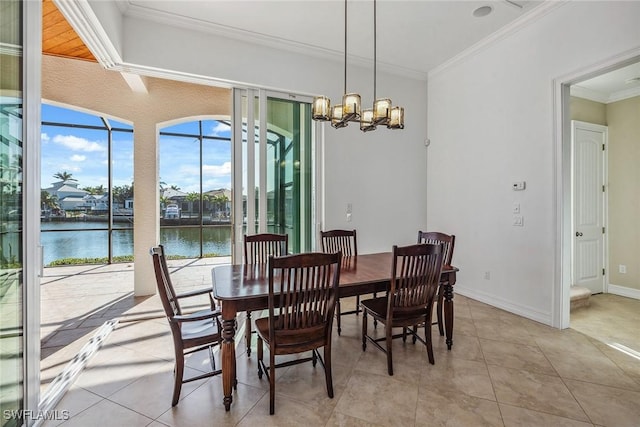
point(207, 170)
point(217, 170)
point(78, 144)
point(69, 168)
point(220, 128)
point(44, 138)
point(78, 158)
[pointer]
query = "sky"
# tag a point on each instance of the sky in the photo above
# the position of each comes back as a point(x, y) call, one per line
point(83, 153)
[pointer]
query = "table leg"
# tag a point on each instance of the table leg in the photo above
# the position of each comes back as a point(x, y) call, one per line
point(228, 355)
point(448, 313)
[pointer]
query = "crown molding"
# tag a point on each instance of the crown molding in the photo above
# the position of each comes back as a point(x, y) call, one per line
point(597, 96)
point(516, 25)
point(590, 94)
point(624, 94)
point(192, 24)
point(81, 17)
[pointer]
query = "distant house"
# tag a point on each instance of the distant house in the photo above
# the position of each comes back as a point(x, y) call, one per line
point(96, 202)
point(69, 196)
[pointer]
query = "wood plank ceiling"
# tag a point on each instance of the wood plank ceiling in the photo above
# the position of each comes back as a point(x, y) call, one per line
point(59, 38)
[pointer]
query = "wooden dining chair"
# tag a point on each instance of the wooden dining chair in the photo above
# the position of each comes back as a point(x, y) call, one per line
point(303, 290)
point(344, 241)
point(191, 332)
point(257, 249)
point(415, 273)
point(448, 241)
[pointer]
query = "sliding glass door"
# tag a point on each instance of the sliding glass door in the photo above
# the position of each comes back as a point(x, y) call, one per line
point(19, 210)
point(274, 184)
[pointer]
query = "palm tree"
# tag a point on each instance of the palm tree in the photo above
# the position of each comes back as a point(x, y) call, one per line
point(48, 200)
point(122, 193)
point(98, 189)
point(63, 176)
point(192, 197)
point(220, 202)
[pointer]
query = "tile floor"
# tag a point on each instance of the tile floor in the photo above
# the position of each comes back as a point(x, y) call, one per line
point(503, 370)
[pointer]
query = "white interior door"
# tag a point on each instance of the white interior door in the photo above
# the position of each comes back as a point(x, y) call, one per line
point(589, 195)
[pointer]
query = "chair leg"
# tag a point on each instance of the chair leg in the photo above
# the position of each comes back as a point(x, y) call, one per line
point(178, 373)
point(260, 356)
point(427, 337)
point(364, 330)
point(327, 370)
point(357, 304)
point(338, 316)
point(247, 333)
point(272, 381)
point(389, 333)
point(439, 308)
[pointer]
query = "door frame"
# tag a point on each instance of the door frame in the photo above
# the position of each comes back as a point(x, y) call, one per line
point(560, 308)
point(605, 200)
point(32, 250)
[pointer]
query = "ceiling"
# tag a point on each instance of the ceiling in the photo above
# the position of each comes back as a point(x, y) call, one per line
point(58, 38)
point(413, 36)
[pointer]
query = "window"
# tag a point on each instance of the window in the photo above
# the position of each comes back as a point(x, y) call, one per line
point(195, 188)
point(87, 188)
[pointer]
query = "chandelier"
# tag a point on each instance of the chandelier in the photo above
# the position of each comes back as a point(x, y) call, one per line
point(382, 113)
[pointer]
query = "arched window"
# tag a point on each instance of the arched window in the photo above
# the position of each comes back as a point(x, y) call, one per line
point(87, 183)
point(195, 188)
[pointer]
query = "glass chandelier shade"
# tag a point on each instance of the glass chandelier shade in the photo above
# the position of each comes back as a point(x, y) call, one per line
point(321, 109)
point(396, 119)
point(366, 120)
point(351, 106)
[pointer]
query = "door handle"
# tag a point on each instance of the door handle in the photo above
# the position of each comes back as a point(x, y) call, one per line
point(578, 234)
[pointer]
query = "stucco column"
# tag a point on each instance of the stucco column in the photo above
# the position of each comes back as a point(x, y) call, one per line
point(146, 205)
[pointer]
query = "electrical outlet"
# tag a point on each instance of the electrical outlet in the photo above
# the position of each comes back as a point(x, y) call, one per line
point(622, 269)
point(518, 221)
point(487, 275)
point(348, 217)
point(516, 208)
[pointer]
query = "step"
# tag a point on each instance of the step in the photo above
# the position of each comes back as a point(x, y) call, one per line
point(579, 297)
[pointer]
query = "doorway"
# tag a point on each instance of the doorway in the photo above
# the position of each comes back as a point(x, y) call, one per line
point(583, 85)
point(273, 168)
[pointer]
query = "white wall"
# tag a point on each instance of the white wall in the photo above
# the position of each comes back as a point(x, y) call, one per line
point(381, 173)
point(491, 122)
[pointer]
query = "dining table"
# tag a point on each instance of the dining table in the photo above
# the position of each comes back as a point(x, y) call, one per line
point(241, 287)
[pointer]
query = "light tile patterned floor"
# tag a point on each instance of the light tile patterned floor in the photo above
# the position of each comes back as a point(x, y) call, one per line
point(503, 370)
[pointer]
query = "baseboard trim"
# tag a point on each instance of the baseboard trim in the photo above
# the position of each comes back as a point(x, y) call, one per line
point(624, 292)
point(504, 304)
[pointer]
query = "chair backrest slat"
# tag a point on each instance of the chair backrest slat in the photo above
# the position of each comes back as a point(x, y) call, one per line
point(344, 241)
point(258, 247)
point(415, 276)
point(303, 290)
point(163, 281)
point(436, 237)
